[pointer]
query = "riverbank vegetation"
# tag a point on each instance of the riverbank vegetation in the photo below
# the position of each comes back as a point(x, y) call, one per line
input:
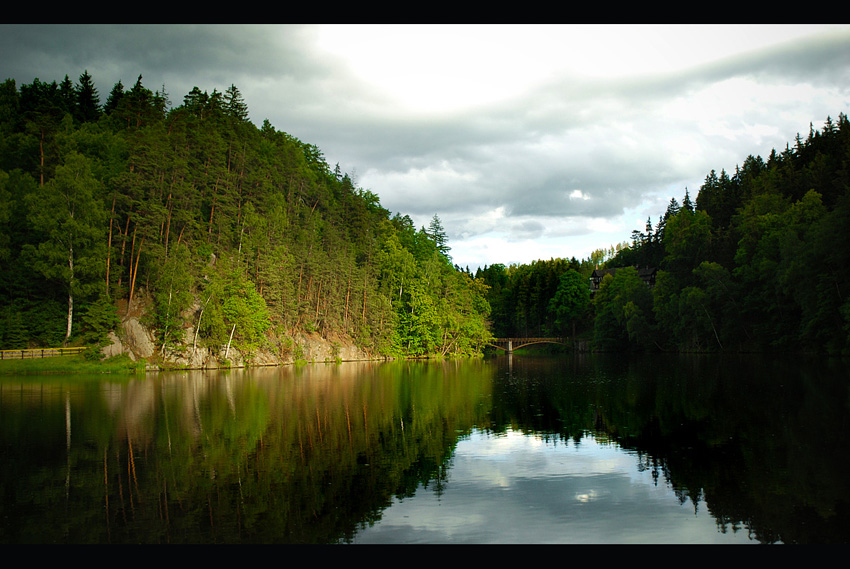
point(248, 236)
point(758, 261)
point(245, 233)
point(79, 364)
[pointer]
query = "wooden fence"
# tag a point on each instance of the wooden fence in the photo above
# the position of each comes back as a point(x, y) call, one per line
point(40, 353)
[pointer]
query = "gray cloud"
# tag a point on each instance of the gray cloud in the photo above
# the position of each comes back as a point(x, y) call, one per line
point(573, 147)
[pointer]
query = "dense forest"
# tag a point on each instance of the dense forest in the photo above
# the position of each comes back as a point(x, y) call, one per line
point(245, 233)
point(248, 235)
point(759, 261)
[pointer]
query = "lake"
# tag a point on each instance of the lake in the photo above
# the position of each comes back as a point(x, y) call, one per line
point(513, 449)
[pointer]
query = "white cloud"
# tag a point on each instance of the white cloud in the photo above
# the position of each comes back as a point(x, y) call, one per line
point(528, 141)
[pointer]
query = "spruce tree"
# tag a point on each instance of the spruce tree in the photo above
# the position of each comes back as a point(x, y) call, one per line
point(234, 104)
point(88, 101)
point(438, 234)
point(115, 97)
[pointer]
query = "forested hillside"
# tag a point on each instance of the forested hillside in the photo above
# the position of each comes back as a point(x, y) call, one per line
point(245, 233)
point(758, 261)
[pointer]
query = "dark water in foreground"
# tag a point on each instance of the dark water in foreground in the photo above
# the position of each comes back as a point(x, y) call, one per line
point(587, 449)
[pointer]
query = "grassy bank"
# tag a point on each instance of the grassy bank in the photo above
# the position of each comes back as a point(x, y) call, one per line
point(70, 364)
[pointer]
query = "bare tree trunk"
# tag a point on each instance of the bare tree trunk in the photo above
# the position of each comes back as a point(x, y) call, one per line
point(347, 295)
point(123, 249)
point(198, 325)
point(257, 272)
point(212, 209)
point(365, 283)
point(70, 292)
point(109, 245)
point(318, 298)
point(41, 157)
point(134, 271)
point(167, 315)
point(716, 337)
point(168, 225)
point(227, 350)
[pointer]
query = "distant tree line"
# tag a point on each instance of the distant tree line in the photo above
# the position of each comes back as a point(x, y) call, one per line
point(521, 296)
point(244, 232)
point(758, 262)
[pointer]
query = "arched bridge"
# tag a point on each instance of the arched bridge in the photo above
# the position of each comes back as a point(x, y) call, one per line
point(511, 344)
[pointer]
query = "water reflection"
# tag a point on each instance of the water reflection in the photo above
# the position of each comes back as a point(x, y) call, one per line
point(515, 488)
point(521, 449)
point(754, 439)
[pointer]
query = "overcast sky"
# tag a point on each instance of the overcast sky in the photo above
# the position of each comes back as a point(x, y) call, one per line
point(529, 142)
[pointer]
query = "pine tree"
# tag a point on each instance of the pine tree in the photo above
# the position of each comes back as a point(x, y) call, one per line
point(67, 96)
point(570, 301)
point(686, 202)
point(67, 214)
point(88, 101)
point(234, 104)
point(115, 97)
point(438, 235)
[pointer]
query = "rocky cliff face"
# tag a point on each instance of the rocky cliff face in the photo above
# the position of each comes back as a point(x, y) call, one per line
point(138, 342)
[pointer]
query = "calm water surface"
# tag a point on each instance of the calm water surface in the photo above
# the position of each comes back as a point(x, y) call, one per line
point(548, 449)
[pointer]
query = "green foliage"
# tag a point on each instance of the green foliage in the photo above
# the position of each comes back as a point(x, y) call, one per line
point(99, 318)
point(246, 310)
point(759, 263)
point(98, 202)
point(623, 307)
point(194, 206)
point(687, 238)
point(236, 311)
point(173, 295)
point(521, 295)
point(66, 216)
point(570, 301)
point(14, 334)
point(438, 234)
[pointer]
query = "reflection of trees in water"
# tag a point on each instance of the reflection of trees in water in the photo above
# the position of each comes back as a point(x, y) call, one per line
point(311, 454)
point(754, 440)
point(266, 456)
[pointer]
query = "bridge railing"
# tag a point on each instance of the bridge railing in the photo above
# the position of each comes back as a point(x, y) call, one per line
point(510, 344)
point(530, 340)
point(40, 353)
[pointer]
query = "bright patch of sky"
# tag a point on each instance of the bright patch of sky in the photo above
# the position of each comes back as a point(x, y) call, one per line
point(441, 68)
point(572, 127)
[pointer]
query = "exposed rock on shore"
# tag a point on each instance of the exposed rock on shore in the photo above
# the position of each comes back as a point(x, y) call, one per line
point(139, 342)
